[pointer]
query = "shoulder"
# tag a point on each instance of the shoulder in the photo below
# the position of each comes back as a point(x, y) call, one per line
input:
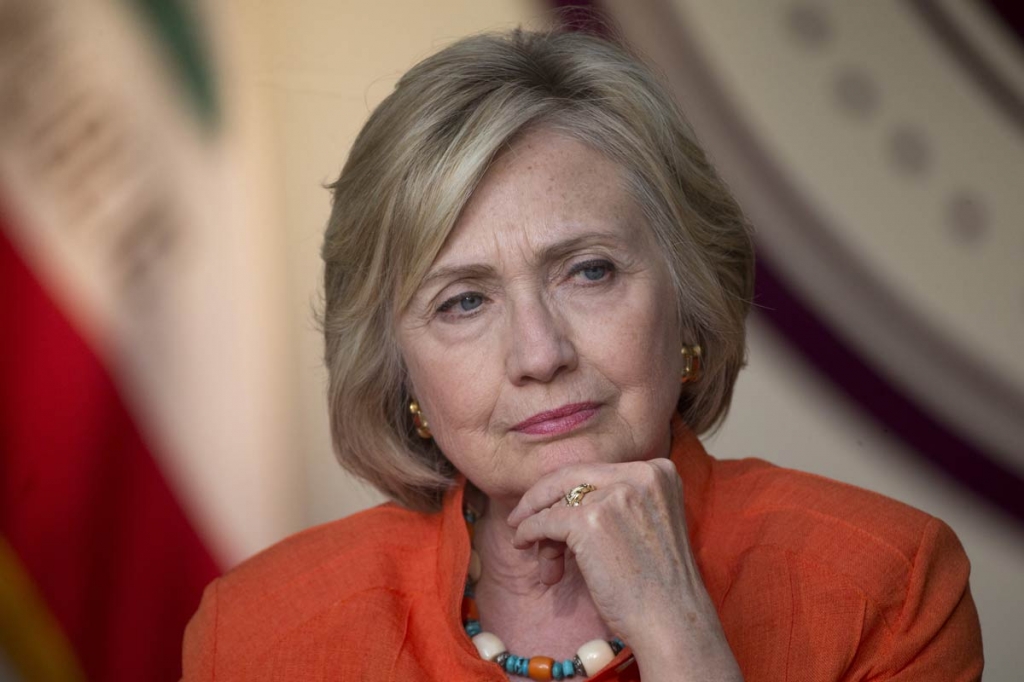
point(816, 518)
point(866, 582)
point(367, 567)
point(372, 548)
point(835, 531)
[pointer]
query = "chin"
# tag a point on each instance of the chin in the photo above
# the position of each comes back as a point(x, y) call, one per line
point(557, 455)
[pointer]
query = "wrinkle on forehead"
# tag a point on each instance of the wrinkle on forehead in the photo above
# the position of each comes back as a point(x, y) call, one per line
point(523, 198)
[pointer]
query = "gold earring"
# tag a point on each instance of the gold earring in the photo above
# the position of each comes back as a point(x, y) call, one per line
point(691, 364)
point(419, 421)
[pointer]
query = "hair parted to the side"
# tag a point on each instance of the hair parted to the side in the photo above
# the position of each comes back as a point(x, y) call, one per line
point(413, 168)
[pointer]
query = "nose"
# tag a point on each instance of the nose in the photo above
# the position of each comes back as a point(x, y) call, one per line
point(539, 347)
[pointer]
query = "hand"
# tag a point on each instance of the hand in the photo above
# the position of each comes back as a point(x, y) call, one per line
point(630, 542)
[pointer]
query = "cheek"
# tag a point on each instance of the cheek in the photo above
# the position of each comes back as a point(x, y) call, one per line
point(649, 401)
point(636, 343)
point(664, 358)
point(651, 365)
point(456, 389)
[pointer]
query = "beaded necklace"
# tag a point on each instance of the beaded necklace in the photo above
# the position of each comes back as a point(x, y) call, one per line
point(589, 658)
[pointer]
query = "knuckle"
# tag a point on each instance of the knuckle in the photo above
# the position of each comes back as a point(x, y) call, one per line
point(667, 471)
point(638, 470)
point(665, 465)
point(648, 473)
point(622, 494)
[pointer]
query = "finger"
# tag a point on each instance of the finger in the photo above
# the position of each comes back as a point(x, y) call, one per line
point(556, 523)
point(550, 490)
point(541, 526)
point(551, 556)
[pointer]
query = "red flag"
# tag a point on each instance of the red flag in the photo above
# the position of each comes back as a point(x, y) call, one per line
point(141, 432)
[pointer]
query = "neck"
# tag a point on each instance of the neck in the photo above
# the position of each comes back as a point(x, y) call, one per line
point(517, 571)
point(516, 605)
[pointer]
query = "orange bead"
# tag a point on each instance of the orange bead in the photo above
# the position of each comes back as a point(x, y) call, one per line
point(469, 610)
point(540, 667)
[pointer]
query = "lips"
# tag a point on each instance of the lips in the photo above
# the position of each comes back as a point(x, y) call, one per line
point(559, 420)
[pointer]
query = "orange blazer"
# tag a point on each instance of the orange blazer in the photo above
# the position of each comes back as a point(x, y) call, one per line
point(812, 579)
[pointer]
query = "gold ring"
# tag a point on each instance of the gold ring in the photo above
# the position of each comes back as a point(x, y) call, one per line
point(574, 497)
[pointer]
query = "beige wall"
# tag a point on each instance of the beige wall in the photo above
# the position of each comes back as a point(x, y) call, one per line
point(320, 67)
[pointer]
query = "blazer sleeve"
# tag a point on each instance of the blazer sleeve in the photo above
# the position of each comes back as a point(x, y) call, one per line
point(200, 644)
point(936, 635)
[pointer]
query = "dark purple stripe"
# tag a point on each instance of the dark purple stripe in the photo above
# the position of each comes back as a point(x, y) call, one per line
point(1009, 11)
point(806, 331)
point(833, 358)
point(1002, 95)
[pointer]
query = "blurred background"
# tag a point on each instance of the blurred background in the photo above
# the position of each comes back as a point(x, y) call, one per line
point(162, 410)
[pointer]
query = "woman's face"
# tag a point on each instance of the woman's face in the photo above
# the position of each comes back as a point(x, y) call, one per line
point(545, 332)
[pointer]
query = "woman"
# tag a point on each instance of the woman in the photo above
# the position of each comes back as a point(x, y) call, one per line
point(535, 293)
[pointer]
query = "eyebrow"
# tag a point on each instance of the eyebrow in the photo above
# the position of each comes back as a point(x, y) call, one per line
point(457, 272)
point(560, 249)
point(551, 252)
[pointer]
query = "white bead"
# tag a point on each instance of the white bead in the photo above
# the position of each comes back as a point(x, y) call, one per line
point(595, 655)
point(488, 645)
point(474, 565)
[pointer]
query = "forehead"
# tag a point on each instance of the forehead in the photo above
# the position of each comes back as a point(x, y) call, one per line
point(545, 187)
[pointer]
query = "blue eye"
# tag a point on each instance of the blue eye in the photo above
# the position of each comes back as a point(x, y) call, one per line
point(463, 303)
point(594, 270)
point(471, 302)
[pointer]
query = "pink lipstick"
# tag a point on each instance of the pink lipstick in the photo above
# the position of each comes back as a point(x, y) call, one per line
point(557, 421)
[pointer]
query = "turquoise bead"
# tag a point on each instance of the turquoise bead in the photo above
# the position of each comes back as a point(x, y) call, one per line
point(568, 670)
point(473, 628)
point(517, 665)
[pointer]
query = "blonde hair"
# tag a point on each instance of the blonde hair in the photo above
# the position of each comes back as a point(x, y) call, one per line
point(415, 165)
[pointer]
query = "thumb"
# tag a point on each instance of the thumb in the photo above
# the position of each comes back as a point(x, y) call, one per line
point(551, 557)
